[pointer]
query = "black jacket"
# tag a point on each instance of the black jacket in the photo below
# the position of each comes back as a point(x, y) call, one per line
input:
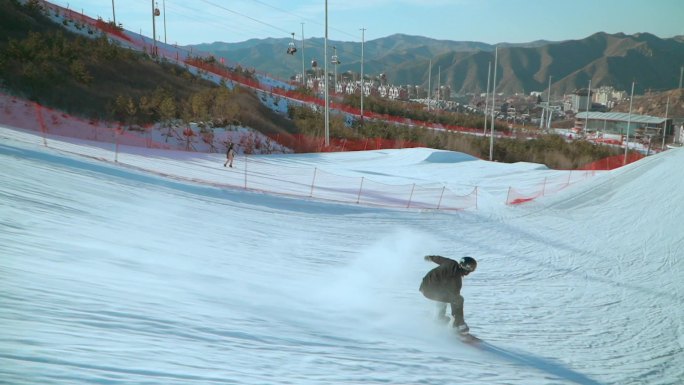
point(444, 282)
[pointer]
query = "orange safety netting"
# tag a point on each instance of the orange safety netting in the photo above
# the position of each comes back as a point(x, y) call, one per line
point(613, 162)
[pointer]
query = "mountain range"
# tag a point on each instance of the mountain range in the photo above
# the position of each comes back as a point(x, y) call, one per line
point(615, 60)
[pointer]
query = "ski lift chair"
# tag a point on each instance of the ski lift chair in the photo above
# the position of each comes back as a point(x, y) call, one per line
point(291, 49)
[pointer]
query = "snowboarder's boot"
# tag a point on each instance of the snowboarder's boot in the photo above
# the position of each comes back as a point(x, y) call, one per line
point(461, 329)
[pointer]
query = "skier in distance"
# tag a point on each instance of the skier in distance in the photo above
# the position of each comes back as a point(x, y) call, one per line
point(230, 154)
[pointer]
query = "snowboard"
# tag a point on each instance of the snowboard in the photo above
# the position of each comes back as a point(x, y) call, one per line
point(468, 338)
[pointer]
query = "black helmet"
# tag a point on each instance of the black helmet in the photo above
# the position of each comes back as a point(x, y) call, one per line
point(468, 264)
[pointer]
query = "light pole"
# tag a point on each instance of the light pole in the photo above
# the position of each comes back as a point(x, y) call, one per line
point(439, 85)
point(325, 79)
point(154, 30)
point(629, 121)
point(489, 71)
point(164, 9)
point(586, 121)
point(667, 106)
point(363, 30)
point(429, 90)
point(114, 14)
point(303, 71)
point(548, 105)
point(491, 137)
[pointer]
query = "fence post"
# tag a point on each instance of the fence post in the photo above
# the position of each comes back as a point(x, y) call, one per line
point(440, 198)
point(475, 197)
point(508, 195)
point(544, 187)
point(245, 155)
point(41, 122)
point(358, 198)
point(411, 196)
point(313, 182)
point(116, 141)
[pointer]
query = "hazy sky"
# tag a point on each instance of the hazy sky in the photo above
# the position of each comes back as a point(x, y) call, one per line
point(488, 21)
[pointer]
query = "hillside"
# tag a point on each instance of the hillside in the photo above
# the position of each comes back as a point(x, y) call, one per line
point(607, 59)
point(91, 77)
point(655, 103)
point(45, 63)
point(96, 78)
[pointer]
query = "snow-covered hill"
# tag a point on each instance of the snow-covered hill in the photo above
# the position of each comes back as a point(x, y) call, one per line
point(113, 275)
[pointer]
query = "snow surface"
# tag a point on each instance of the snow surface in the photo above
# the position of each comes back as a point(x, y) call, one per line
point(117, 275)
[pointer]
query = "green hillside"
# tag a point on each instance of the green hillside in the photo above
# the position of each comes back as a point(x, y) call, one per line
point(91, 77)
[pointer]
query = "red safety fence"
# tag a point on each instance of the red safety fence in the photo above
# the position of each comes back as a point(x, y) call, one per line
point(302, 144)
point(613, 162)
point(548, 186)
point(32, 116)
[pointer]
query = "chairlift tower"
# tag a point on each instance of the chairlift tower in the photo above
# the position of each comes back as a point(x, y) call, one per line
point(155, 13)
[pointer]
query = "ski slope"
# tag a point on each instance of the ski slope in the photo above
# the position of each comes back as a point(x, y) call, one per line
point(113, 275)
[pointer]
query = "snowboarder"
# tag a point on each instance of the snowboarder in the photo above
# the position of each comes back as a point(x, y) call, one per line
point(443, 284)
point(230, 154)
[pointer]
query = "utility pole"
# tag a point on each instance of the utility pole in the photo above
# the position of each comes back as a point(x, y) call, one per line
point(303, 71)
point(586, 121)
point(667, 106)
point(429, 90)
point(325, 80)
point(164, 7)
point(439, 85)
point(629, 121)
point(154, 31)
point(489, 71)
point(491, 138)
point(363, 31)
point(548, 105)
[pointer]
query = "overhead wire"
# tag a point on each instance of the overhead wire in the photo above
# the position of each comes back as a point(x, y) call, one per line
point(243, 15)
point(313, 42)
point(343, 51)
point(203, 18)
point(185, 11)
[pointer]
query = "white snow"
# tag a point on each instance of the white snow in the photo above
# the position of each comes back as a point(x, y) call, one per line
point(158, 270)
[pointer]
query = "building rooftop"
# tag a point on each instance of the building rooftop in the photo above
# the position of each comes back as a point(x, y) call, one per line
point(620, 117)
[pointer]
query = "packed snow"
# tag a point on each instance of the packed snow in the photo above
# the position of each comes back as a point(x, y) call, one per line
point(149, 270)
